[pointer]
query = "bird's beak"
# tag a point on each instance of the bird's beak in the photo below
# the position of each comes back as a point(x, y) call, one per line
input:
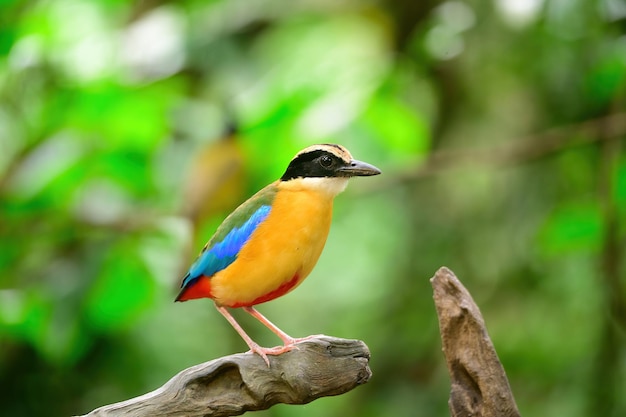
point(359, 169)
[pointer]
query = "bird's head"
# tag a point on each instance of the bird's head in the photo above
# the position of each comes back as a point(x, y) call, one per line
point(326, 167)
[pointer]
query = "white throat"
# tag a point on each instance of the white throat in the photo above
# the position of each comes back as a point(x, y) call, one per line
point(327, 185)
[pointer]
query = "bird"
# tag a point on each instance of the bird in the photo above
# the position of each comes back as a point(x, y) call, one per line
point(269, 244)
point(215, 179)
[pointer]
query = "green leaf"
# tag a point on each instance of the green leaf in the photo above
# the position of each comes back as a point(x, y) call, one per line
point(575, 227)
point(122, 291)
point(401, 129)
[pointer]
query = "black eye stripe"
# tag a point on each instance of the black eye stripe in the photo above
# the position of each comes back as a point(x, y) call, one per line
point(317, 163)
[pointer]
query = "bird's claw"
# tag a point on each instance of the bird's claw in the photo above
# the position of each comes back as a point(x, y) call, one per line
point(276, 350)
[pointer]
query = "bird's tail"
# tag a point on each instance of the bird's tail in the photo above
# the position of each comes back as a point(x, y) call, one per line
point(199, 287)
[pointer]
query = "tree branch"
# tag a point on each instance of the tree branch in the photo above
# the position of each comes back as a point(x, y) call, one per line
point(605, 391)
point(229, 386)
point(479, 385)
point(513, 152)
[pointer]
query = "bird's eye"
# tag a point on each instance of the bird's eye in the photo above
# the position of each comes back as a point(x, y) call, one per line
point(326, 161)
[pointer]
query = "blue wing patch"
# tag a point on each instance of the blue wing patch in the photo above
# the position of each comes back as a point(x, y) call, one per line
point(222, 254)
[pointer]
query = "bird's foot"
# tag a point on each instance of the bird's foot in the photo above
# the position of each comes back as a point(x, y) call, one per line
point(277, 350)
point(290, 344)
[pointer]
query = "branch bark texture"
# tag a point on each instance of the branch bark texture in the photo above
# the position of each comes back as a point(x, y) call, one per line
point(229, 386)
point(479, 386)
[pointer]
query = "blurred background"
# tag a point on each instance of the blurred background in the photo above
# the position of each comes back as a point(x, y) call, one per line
point(129, 130)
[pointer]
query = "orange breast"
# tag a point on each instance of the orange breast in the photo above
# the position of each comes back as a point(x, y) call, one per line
point(280, 253)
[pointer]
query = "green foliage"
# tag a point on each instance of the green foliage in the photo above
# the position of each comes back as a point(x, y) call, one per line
point(122, 290)
point(500, 131)
point(573, 228)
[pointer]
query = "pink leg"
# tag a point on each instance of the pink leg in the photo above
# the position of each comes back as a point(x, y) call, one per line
point(255, 348)
point(287, 340)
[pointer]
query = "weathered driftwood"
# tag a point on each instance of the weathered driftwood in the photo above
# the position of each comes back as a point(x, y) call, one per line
point(229, 386)
point(479, 386)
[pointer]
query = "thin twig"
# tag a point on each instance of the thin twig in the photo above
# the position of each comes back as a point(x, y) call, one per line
point(517, 151)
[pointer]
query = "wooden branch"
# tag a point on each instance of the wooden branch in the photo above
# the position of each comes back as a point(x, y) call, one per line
point(513, 152)
point(479, 385)
point(229, 386)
